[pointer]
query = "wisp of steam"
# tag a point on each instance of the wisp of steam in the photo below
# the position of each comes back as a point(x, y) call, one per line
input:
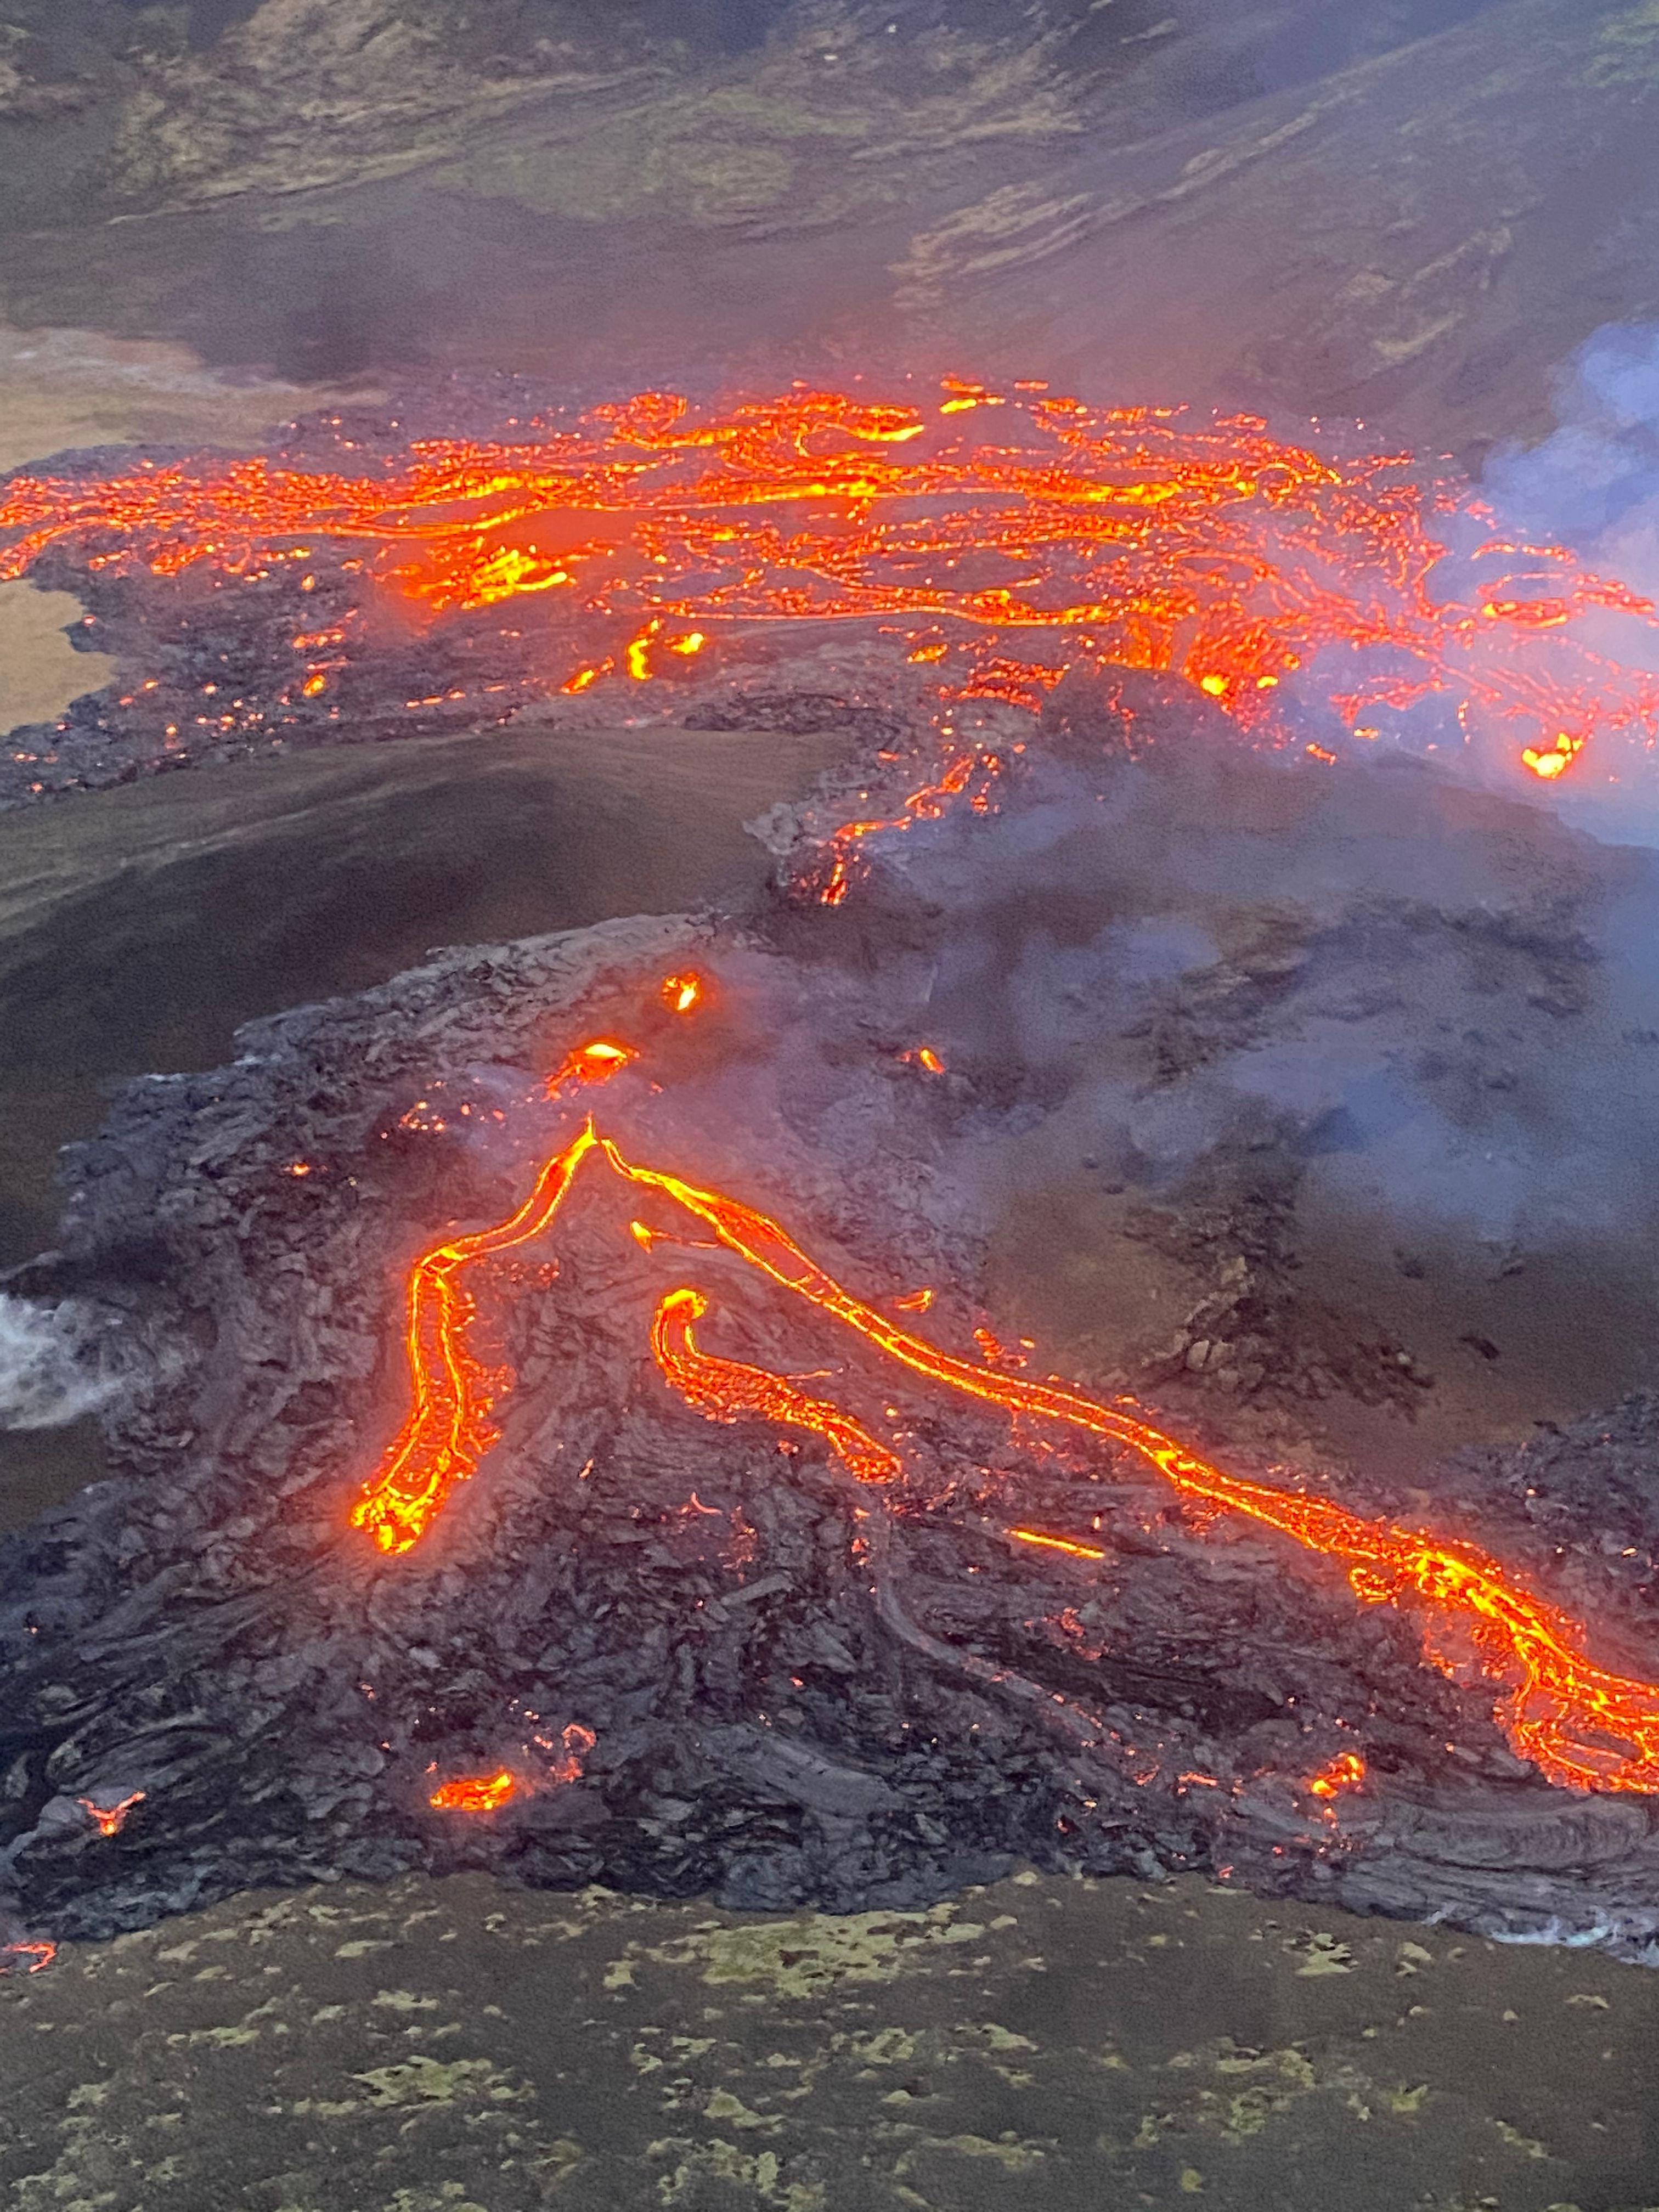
point(58, 1362)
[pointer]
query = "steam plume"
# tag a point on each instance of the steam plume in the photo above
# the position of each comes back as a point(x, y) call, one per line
point(58, 1362)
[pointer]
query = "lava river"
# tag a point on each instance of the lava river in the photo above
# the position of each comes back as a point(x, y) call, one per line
point(1580, 1724)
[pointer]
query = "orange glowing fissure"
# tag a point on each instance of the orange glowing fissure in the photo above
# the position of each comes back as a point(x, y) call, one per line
point(110, 1819)
point(1582, 1725)
point(1145, 536)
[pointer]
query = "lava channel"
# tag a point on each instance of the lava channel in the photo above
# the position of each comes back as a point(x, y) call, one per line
point(1582, 1725)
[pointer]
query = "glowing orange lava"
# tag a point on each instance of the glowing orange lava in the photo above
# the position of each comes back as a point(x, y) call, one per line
point(1557, 760)
point(726, 1391)
point(488, 1793)
point(1581, 1724)
point(1139, 534)
point(1346, 1771)
point(110, 1819)
point(1068, 1544)
point(475, 1793)
point(681, 993)
point(591, 1063)
point(40, 1956)
point(449, 1427)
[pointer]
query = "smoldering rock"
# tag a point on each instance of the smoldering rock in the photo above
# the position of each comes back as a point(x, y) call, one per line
point(1100, 711)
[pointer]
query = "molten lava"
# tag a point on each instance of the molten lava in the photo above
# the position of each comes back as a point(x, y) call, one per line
point(1138, 535)
point(1581, 1724)
point(475, 1793)
point(110, 1819)
point(449, 1427)
point(39, 1955)
point(1070, 1545)
point(1346, 1771)
point(488, 1793)
point(591, 1063)
point(726, 1391)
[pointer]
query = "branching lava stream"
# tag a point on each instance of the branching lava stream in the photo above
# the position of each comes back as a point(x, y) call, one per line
point(1580, 1724)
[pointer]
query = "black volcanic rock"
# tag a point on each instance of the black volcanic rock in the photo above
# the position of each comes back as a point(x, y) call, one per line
point(712, 1658)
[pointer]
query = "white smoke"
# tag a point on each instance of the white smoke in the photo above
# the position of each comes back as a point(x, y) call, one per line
point(1593, 485)
point(1581, 504)
point(58, 1362)
point(1594, 482)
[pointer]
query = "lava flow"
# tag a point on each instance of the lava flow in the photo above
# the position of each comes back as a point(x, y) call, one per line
point(449, 1427)
point(726, 1391)
point(1580, 1724)
point(39, 1955)
point(652, 529)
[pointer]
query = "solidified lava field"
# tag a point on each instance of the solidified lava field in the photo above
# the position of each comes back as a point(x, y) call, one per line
point(575, 1437)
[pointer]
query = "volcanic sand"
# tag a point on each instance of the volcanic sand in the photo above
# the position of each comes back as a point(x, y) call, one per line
point(40, 671)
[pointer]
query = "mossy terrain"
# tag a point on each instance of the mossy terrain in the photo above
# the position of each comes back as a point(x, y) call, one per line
point(432, 2047)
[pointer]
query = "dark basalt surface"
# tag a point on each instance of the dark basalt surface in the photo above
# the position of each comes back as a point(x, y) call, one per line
point(802, 1689)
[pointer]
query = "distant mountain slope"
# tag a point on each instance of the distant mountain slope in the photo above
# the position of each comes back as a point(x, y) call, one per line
point(1413, 211)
